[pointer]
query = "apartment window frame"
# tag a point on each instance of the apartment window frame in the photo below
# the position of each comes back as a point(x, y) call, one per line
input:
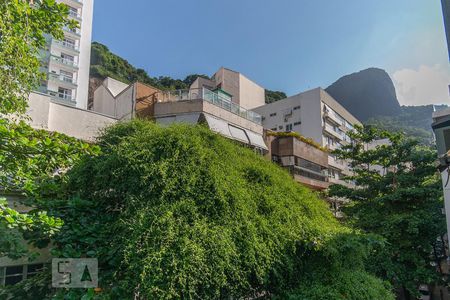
point(297, 123)
point(288, 127)
point(71, 43)
point(19, 271)
point(273, 114)
point(65, 92)
point(296, 107)
point(66, 76)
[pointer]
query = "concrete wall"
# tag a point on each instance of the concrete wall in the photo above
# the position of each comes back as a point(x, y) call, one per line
point(124, 103)
point(114, 86)
point(104, 101)
point(85, 53)
point(75, 122)
point(251, 95)
point(245, 92)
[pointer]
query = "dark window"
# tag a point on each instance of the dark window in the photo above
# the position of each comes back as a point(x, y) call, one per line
point(297, 107)
point(297, 123)
point(273, 114)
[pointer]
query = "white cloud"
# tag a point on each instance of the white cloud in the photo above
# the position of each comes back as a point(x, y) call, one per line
point(427, 85)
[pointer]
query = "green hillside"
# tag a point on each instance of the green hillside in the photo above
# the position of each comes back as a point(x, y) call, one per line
point(104, 64)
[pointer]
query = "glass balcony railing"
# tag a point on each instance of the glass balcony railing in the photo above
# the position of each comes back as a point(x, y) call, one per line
point(62, 78)
point(64, 61)
point(66, 45)
point(211, 97)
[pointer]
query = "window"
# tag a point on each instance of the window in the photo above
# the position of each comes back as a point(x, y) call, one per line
point(274, 129)
point(15, 274)
point(280, 127)
point(65, 94)
point(34, 269)
point(273, 114)
point(73, 12)
point(297, 123)
point(67, 58)
point(288, 127)
point(69, 43)
point(66, 76)
point(296, 107)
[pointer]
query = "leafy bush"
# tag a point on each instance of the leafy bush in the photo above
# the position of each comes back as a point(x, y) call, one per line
point(180, 212)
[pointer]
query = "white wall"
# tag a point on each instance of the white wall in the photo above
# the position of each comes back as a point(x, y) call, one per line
point(309, 114)
point(114, 86)
point(85, 53)
point(75, 122)
point(104, 101)
point(251, 95)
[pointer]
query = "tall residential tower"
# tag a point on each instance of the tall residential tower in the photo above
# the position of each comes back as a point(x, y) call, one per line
point(67, 61)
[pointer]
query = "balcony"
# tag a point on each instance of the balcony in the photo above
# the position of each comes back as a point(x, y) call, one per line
point(74, 15)
point(330, 130)
point(66, 46)
point(62, 98)
point(76, 33)
point(64, 80)
point(73, 3)
point(333, 117)
point(64, 62)
point(211, 97)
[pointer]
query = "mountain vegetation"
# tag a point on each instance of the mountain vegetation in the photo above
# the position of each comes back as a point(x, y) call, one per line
point(272, 96)
point(104, 64)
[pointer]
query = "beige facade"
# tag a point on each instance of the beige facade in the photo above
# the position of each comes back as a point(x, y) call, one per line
point(244, 91)
point(307, 164)
point(198, 104)
point(67, 119)
point(313, 114)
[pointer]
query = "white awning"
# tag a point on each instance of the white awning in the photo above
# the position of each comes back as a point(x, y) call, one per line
point(219, 126)
point(256, 140)
point(238, 134)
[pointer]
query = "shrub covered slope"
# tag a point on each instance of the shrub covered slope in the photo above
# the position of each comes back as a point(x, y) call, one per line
point(182, 213)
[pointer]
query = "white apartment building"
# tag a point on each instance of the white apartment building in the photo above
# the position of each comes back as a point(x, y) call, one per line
point(67, 61)
point(313, 114)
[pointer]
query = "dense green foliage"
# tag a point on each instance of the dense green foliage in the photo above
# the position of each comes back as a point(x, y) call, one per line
point(106, 64)
point(272, 96)
point(399, 197)
point(27, 157)
point(180, 212)
point(22, 35)
point(31, 163)
point(413, 121)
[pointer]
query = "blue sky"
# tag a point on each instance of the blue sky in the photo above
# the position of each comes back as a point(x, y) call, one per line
point(287, 45)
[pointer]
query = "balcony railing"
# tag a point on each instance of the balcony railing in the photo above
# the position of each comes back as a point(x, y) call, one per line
point(211, 97)
point(74, 15)
point(72, 31)
point(66, 45)
point(62, 78)
point(62, 97)
point(64, 61)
